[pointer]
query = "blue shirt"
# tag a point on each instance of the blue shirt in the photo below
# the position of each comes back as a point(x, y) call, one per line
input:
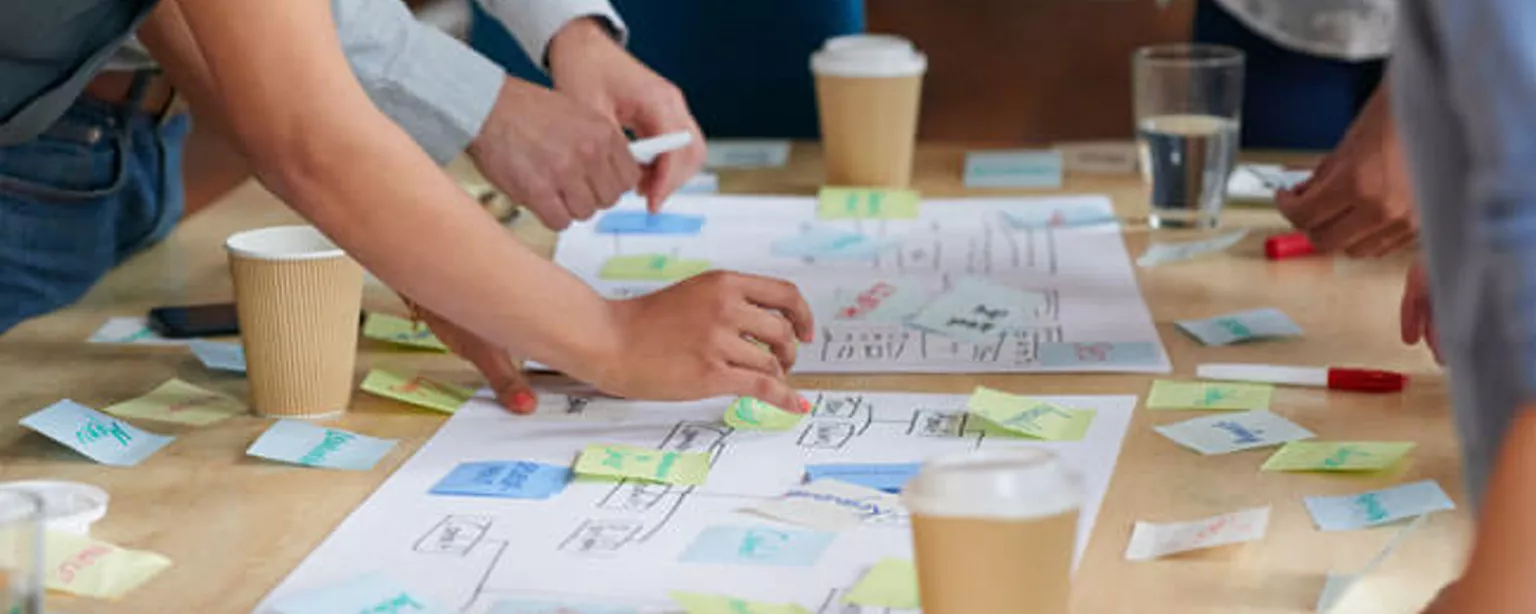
point(1464, 79)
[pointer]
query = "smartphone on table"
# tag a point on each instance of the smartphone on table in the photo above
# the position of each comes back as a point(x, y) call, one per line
point(188, 321)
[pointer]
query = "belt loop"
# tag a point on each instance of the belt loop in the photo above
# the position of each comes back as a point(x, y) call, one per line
point(136, 91)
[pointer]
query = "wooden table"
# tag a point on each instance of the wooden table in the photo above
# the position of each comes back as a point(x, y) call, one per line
point(235, 525)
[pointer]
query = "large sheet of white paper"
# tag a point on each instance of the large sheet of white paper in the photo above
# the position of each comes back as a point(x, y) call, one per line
point(1083, 272)
point(624, 543)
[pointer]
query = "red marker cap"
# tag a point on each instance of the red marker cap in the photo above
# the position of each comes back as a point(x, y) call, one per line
point(1292, 245)
point(1366, 380)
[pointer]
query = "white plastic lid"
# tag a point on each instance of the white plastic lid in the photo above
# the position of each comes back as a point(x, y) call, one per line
point(70, 507)
point(1004, 484)
point(283, 243)
point(868, 55)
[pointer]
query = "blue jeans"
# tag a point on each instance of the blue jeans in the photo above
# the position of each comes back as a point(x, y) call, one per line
point(101, 184)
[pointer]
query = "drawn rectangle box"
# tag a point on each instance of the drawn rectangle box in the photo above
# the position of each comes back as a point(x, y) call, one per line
point(827, 435)
point(454, 535)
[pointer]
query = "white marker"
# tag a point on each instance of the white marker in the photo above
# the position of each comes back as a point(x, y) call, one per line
point(1359, 380)
point(646, 151)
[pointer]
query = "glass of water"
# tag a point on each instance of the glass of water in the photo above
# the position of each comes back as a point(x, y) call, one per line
point(21, 552)
point(1189, 101)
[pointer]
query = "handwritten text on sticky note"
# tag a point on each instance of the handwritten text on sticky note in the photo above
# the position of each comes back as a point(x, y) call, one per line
point(1209, 395)
point(104, 439)
point(83, 566)
point(651, 267)
point(180, 402)
point(302, 443)
point(1232, 328)
point(757, 545)
point(830, 505)
point(979, 311)
point(367, 594)
point(623, 461)
point(890, 583)
point(1153, 540)
point(505, 479)
point(400, 331)
point(1019, 168)
point(1338, 456)
point(1378, 507)
point(867, 204)
point(1022, 415)
point(417, 390)
point(1232, 432)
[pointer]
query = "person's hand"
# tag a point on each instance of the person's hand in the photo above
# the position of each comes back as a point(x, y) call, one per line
point(504, 375)
point(554, 155)
point(1418, 321)
point(696, 340)
point(588, 65)
point(1359, 199)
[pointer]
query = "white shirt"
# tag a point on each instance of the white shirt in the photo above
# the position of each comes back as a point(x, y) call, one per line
point(1340, 29)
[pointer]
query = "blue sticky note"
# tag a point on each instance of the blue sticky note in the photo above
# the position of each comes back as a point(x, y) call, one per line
point(534, 606)
point(1019, 168)
point(104, 439)
point(641, 222)
point(724, 545)
point(1378, 507)
point(219, 356)
point(1232, 328)
point(1099, 354)
point(302, 443)
point(889, 477)
point(1070, 216)
point(827, 243)
point(506, 479)
point(368, 593)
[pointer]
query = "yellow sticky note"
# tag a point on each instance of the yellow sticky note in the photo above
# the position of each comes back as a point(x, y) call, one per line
point(704, 603)
point(400, 331)
point(91, 568)
point(749, 414)
point(1082, 419)
point(867, 204)
point(1338, 455)
point(891, 583)
point(1024, 415)
point(1209, 395)
point(622, 461)
point(178, 401)
point(418, 390)
point(652, 267)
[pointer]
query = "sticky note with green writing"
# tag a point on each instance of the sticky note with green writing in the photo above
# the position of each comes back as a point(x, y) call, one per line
point(1075, 430)
point(705, 603)
point(180, 402)
point(420, 391)
point(1024, 415)
point(867, 204)
point(749, 414)
point(652, 267)
point(400, 331)
point(1338, 455)
point(891, 583)
point(1209, 395)
point(623, 461)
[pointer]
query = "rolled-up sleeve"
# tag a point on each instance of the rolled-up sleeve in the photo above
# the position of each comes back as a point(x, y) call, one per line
point(534, 22)
point(437, 89)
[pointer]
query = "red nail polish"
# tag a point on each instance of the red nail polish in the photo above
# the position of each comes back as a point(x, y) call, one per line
point(805, 405)
point(524, 401)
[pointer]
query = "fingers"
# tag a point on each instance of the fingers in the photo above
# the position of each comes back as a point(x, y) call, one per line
point(751, 383)
point(1382, 241)
point(772, 330)
point(673, 170)
point(1410, 315)
point(781, 296)
point(1343, 231)
point(662, 113)
point(1310, 205)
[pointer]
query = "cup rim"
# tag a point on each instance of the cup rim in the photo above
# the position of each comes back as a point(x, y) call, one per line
point(283, 243)
point(1190, 54)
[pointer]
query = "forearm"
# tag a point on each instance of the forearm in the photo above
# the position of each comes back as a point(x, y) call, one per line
point(315, 139)
point(1504, 551)
point(534, 23)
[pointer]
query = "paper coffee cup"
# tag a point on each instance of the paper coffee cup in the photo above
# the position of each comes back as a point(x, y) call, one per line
point(298, 297)
point(994, 532)
point(867, 92)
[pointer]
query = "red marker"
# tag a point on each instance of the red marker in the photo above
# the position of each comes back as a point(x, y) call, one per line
point(1335, 378)
point(1292, 245)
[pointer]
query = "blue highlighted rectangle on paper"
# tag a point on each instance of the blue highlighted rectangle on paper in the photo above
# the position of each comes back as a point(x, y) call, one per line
point(100, 437)
point(642, 222)
point(1378, 507)
point(726, 545)
point(889, 477)
point(302, 443)
point(1099, 354)
point(371, 592)
point(1019, 168)
point(505, 479)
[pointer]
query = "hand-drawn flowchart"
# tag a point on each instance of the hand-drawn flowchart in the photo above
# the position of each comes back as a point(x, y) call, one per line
point(1066, 249)
point(623, 545)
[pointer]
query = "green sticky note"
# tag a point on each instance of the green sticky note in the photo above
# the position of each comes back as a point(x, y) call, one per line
point(749, 414)
point(891, 583)
point(1082, 419)
point(418, 390)
point(1209, 395)
point(400, 331)
point(867, 204)
point(704, 603)
point(651, 267)
point(622, 461)
point(1024, 415)
point(1338, 456)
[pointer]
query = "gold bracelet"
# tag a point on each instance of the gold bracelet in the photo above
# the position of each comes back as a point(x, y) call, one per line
point(418, 316)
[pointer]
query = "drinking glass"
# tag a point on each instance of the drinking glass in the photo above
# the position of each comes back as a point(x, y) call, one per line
point(21, 553)
point(1188, 104)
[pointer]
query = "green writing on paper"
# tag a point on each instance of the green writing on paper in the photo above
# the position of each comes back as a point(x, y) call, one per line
point(398, 603)
point(759, 543)
point(1371, 504)
point(651, 267)
point(1209, 395)
point(94, 430)
point(749, 414)
point(867, 204)
point(1238, 329)
point(334, 440)
point(400, 331)
point(1026, 416)
point(1338, 456)
point(623, 461)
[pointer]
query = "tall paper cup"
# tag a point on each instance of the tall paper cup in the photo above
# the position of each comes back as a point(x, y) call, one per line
point(298, 296)
point(994, 532)
point(867, 92)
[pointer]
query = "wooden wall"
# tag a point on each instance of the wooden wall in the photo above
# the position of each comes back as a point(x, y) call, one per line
point(1029, 71)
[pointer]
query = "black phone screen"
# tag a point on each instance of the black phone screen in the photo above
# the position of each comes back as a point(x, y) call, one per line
point(195, 321)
